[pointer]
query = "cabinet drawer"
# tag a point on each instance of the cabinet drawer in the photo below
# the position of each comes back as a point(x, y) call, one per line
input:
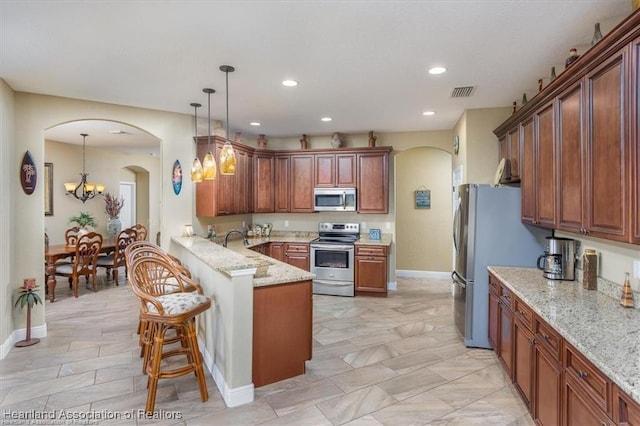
point(506, 297)
point(296, 248)
point(596, 385)
point(523, 313)
point(548, 338)
point(371, 251)
point(494, 286)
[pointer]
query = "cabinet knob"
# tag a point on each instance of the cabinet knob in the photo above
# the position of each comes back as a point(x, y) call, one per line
point(532, 341)
point(545, 336)
point(582, 374)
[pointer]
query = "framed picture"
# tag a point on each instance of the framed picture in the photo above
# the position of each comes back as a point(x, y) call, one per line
point(48, 189)
point(374, 234)
point(423, 198)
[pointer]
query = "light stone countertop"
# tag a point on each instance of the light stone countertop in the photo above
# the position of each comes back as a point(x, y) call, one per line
point(235, 258)
point(596, 324)
point(385, 240)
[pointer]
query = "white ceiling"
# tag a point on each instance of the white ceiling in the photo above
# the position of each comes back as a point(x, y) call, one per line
point(363, 63)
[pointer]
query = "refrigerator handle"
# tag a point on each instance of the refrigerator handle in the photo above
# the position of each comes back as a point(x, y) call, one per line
point(458, 279)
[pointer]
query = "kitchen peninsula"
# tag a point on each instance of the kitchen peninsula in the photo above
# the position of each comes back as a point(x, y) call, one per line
point(260, 330)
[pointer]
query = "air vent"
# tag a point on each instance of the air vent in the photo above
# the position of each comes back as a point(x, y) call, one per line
point(462, 92)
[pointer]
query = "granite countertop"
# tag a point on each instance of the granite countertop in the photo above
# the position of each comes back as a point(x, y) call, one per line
point(385, 240)
point(596, 324)
point(237, 257)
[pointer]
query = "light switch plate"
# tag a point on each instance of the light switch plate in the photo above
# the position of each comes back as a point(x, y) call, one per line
point(286, 223)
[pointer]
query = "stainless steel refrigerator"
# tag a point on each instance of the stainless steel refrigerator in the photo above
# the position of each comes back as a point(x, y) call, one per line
point(487, 231)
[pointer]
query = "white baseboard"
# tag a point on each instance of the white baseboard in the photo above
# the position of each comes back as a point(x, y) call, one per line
point(392, 285)
point(406, 273)
point(232, 397)
point(40, 332)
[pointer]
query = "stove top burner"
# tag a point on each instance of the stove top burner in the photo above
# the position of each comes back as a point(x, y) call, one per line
point(342, 233)
point(334, 239)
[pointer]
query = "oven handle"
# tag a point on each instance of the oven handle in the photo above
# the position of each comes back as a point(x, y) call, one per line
point(344, 247)
point(333, 282)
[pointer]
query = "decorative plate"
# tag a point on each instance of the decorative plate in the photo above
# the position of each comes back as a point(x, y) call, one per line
point(176, 177)
point(499, 172)
point(28, 174)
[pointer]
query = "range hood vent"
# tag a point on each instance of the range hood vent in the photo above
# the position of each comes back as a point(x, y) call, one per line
point(462, 92)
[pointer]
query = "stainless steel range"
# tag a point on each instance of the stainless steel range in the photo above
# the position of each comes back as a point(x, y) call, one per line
point(332, 258)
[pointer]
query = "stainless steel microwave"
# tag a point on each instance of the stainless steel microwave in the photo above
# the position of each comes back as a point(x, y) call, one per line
point(334, 199)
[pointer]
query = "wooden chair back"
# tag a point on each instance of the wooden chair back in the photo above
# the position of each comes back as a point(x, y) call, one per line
point(153, 276)
point(87, 249)
point(146, 248)
point(141, 232)
point(124, 239)
point(71, 236)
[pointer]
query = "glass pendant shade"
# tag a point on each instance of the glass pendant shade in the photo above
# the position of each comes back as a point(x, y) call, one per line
point(196, 171)
point(227, 160)
point(209, 169)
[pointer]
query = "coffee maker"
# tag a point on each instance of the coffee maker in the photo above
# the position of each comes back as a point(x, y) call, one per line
point(559, 259)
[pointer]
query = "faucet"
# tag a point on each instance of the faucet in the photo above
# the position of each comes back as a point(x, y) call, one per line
point(233, 231)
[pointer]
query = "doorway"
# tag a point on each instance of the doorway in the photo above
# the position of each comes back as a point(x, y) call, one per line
point(128, 212)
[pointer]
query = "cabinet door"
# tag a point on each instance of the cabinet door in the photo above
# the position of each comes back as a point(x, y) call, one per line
point(494, 321)
point(276, 250)
point(523, 361)
point(373, 183)
point(301, 183)
point(514, 154)
point(346, 170)
point(570, 161)
point(325, 171)
point(635, 146)
point(506, 338)
point(626, 410)
point(579, 410)
point(547, 388)
point(282, 183)
point(297, 254)
point(264, 173)
point(243, 185)
point(545, 168)
point(371, 274)
point(528, 175)
point(606, 183)
point(503, 148)
point(226, 188)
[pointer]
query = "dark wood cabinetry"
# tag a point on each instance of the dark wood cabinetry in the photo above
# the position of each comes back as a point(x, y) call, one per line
point(505, 352)
point(335, 170)
point(371, 270)
point(263, 187)
point(585, 142)
point(244, 182)
point(282, 183)
point(625, 410)
point(297, 254)
point(509, 149)
point(301, 183)
point(276, 250)
point(373, 182)
point(547, 389)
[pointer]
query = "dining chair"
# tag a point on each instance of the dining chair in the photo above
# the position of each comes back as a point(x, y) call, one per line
point(84, 262)
point(141, 231)
point(165, 305)
point(71, 236)
point(117, 258)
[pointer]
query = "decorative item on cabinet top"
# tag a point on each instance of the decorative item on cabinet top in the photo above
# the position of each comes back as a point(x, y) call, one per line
point(262, 142)
point(372, 139)
point(597, 35)
point(337, 140)
point(304, 142)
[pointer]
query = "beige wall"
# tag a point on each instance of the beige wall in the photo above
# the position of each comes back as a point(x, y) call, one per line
point(423, 236)
point(100, 164)
point(9, 183)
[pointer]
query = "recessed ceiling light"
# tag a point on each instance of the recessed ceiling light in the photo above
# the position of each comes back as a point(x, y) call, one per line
point(429, 113)
point(254, 123)
point(437, 70)
point(290, 83)
point(326, 119)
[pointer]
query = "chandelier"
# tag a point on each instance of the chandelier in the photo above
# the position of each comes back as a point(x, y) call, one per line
point(83, 190)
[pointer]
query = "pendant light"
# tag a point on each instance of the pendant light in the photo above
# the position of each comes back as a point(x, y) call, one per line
point(209, 168)
point(83, 190)
point(227, 156)
point(196, 167)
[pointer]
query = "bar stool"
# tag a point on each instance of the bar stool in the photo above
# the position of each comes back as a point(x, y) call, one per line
point(167, 304)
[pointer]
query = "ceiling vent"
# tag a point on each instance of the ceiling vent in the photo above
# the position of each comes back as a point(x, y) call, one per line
point(462, 92)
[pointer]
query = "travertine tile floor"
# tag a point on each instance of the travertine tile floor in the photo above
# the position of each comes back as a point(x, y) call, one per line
point(393, 361)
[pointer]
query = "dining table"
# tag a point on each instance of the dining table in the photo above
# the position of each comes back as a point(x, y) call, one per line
point(62, 251)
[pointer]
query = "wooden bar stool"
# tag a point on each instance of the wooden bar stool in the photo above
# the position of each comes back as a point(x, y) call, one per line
point(167, 304)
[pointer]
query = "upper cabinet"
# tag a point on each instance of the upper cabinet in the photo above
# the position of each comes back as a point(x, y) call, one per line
point(579, 139)
point(301, 178)
point(335, 170)
point(373, 182)
point(263, 182)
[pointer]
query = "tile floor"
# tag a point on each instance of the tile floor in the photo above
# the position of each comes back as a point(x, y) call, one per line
point(393, 361)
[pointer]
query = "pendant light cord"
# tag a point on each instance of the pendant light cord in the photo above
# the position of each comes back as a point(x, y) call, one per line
point(84, 143)
point(227, 69)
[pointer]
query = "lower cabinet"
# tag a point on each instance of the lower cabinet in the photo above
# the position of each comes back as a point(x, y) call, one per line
point(557, 383)
point(297, 254)
point(371, 270)
point(276, 250)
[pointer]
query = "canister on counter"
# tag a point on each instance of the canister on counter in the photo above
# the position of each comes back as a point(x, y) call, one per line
point(590, 269)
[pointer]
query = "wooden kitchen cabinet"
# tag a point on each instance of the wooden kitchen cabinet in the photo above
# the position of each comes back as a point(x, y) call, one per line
point(301, 183)
point(579, 410)
point(509, 149)
point(523, 351)
point(545, 181)
point(371, 270)
point(626, 410)
point(262, 249)
point(373, 182)
point(244, 182)
point(547, 388)
point(276, 250)
point(505, 353)
point(282, 183)
point(494, 314)
point(528, 176)
point(335, 171)
point(263, 187)
point(635, 136)
point(297, 254)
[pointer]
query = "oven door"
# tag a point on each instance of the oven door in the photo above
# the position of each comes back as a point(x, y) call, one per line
point(333, 266)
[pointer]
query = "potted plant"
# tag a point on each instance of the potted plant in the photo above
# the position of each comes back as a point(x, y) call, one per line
point(29, 297)
point(112, 207)
point(83, 220)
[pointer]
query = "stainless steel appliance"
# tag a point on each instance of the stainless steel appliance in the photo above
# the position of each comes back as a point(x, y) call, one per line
point(332, 258)
point(334, 199)
point(559, 259)
point(487, 231)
